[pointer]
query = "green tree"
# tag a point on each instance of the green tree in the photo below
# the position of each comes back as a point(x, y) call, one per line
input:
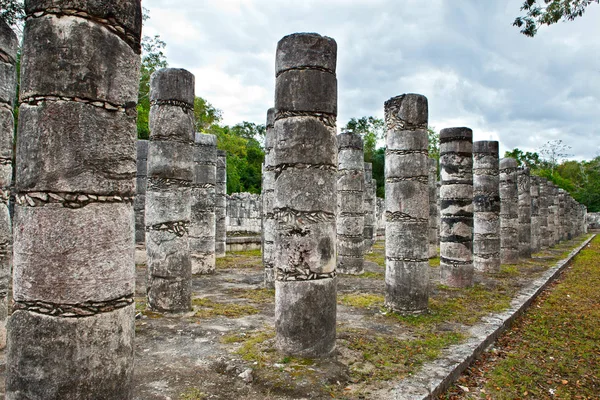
point(153, 59)
point(529, 159)
point(551, 12)
point(205, 114)
point(371, 129)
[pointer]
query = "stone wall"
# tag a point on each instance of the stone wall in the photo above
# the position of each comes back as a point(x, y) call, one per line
point(244, 212)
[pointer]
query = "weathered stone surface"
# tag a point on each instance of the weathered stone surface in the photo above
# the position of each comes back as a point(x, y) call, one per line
point(305, 50)
point(509, 212)
point(305, 315)
point(67, 146)
point(547, 213)
point(350, 204)
point(202, 223)
point(524, 202)
point(433, 209)
point(267, 197)
point(407, 204)
point(221, 204)
point(71, 334)
point(535, 214)
point(296, 149)
point(369, 196)
point(140, 198)
point(70, 358)
point(125, 13)
point(486, 203)
point(456, 207)
point(562, 221)
point(169, 190)
point(98, 65)
point(172, 84)
point(304, 205)
point(47, 269)
point(9, 43)
point(8, 83)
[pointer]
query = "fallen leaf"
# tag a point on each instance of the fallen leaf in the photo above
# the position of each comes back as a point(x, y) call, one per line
point(564, 381)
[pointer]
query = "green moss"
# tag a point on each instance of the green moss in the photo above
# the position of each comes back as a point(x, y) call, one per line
point(362, 300)
point(240, 260)
point(434, 262)
point(193, 394)
point(385, 357)
point(206, 308)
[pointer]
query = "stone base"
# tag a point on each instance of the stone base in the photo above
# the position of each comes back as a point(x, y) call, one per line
point(203, 264)
point(169, 294)
point(486, 264)
point(70, 358)
point(407, 286)
point(350, 265)
point(456, 275)
point(305, 317)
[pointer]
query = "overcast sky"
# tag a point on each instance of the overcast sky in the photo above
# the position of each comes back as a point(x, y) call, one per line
point(475, 68)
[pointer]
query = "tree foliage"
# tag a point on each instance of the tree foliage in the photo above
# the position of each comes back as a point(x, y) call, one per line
point(548, 13)
point(580, 179)
point(371, 129)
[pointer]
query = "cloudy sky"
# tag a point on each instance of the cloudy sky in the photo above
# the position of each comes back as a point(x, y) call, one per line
point(476, 69)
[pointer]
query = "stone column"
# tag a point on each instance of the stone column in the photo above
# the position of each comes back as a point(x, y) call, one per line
point(350, 204)
point(486, 204)
point(509, 212)
point(406, 200)
point(305, 155)
point(370, 226)
point(562, 233)
point(267, 197)
point(221, 204)
point(433, 209)
point(72, 329)
point(168, 196)
point(202, 223)
point(546, 218)
point(456, 199)
point(524, 204)
point(535, 214)
point(8, 91)
point(551, 200)
point(584, 225)
point(139, 204)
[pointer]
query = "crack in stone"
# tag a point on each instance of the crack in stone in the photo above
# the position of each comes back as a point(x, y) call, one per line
point(298, 274)
point(399, 216)
point(290, 216)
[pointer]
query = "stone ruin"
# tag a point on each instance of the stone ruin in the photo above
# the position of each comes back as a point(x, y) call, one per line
point(407, 193)
point(71, 332)
point(318, 214)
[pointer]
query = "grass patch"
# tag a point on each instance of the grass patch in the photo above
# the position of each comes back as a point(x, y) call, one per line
point(259, 296)
point(206, 308)
point(361, 300)
point(386, 357)
point(240, 260)
point(458, 306)
point(554, 349)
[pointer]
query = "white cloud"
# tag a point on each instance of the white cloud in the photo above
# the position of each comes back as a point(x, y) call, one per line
point(476, 69)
